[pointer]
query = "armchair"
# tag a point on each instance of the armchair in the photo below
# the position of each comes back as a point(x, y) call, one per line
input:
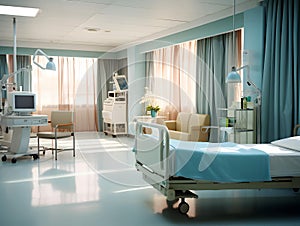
point(188, 127)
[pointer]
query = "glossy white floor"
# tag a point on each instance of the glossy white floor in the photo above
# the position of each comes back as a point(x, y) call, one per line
point(100, 186)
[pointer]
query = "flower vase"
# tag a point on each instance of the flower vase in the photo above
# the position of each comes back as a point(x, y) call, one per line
point(153, 113)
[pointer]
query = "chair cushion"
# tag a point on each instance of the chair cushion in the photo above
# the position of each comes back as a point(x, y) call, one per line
point(51, 135)
point(170, 124)
point(182, 122)
point(179, 135)
point(195, 124)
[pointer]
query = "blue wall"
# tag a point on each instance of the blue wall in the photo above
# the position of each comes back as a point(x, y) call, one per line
point(254, 44)
point(136, 84)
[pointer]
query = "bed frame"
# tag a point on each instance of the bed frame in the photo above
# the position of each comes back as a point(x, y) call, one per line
point(154, 160)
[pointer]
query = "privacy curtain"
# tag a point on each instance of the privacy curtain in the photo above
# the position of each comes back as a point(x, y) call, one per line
point(3, 65)
point(106, 69)
point(281, 75)
point(23, 79)
point(3, 70)
point(214, 61)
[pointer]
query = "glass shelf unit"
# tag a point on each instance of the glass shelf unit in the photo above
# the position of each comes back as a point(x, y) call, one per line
point(238, 125)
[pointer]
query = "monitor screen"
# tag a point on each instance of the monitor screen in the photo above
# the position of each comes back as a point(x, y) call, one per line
point(122, 83)
point(22, 102)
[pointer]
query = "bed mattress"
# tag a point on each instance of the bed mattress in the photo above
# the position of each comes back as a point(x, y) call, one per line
point(229, 162)
point(283, 162)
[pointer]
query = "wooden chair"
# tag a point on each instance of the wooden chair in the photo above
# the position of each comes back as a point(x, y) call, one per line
point(295, 129)
point(62, 123)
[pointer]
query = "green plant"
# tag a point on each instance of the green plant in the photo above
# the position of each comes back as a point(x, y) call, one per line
point(153, 108)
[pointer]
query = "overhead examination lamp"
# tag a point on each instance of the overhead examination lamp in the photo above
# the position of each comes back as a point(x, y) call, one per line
point(233, 76)
point(49, 66)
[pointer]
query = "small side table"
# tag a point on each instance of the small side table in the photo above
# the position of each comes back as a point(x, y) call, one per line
point(147, 118)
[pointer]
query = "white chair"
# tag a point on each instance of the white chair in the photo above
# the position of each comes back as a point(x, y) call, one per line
point(62, 123)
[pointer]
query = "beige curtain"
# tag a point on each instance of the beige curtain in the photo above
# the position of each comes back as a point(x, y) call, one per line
point(71, 87)
point(172, 80)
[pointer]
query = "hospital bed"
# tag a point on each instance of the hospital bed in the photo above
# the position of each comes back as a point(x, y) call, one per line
point(176, 168)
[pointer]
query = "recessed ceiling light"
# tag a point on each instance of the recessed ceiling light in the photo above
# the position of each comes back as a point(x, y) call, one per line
point(18, 11)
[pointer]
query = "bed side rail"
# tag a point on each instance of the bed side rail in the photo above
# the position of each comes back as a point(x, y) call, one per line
point(152, 150)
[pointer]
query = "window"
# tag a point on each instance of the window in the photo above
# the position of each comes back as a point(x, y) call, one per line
point(71, 87)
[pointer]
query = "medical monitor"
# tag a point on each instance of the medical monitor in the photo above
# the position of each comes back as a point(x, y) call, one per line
point(21, 102)
point(120, 82)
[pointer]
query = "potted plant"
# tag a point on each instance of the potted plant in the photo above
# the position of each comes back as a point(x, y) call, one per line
point(153, 110)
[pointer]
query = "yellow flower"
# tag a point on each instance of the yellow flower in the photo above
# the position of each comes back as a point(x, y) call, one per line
point(154, 108)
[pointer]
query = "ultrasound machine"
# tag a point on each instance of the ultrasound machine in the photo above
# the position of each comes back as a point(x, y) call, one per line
point(18, 117)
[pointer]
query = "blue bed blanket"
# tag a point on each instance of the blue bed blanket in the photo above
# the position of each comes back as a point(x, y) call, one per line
point(220, 162)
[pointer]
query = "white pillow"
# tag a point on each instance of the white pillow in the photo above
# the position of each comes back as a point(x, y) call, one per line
point(290, 143)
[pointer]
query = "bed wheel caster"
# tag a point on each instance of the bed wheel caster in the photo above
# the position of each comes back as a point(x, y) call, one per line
point(13, 160)
point(295, 189)
point(4, 158)
point(35, 156)
point(183, 207)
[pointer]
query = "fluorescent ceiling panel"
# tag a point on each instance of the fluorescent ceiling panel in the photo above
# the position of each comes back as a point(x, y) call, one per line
point(18, 11)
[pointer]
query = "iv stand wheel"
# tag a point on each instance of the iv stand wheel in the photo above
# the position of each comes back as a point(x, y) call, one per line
point(183, 207)
point(13, 160)
point(35, 156)
point(4, 158)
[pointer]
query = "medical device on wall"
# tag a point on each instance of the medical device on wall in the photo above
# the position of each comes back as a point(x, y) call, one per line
point(21, 102)
point(114, 111)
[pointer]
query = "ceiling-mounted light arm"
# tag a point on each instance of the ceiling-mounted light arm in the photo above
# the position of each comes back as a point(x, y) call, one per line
point(3, 83)
point(5, 77)
point(233, 25)
point(251, 83)
point(233, 76)
point(49, 66)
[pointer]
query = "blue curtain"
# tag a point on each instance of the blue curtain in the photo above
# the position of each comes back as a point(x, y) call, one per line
point(3, 65)
point(213, 64)
point(281, 76)
point(3, 70)
point(24, 79)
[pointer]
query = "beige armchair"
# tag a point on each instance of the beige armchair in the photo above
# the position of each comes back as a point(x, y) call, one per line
point(188, 127)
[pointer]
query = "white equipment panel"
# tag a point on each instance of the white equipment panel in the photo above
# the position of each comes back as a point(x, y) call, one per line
point(21, 126)
point(115, 113)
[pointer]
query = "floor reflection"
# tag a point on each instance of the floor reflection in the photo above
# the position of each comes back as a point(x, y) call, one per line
point(64, 184)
